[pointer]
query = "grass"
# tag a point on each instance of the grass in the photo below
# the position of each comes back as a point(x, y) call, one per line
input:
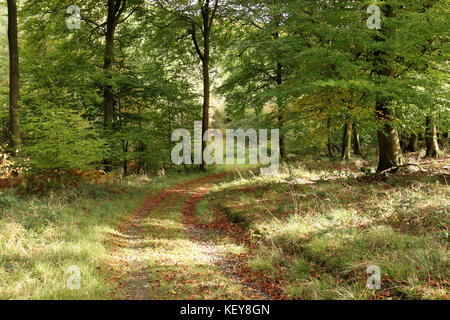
point(315, 228)
point(169, 264)
point(318, 227)
point(41, 236)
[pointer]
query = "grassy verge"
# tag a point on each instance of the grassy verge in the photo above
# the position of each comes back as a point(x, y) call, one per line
point(318, 228)
point(41, 236)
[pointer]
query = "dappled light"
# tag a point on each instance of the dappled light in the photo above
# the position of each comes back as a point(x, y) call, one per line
point(226, 150)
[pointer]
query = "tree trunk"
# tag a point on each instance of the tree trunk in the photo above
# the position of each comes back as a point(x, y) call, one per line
point(208, 20)
point(169, 134)
point(205, 58)
point(279, 80)
point(389, 150)
point(336, 148)
point(413, 142)
point(206, 98)
point(403, 141)
point(356, 141)
point(280, 112)
point(433, 150)
point(115, 8)
point(125, 168)
point(108, 102)
point(444, 139)
point(329, 144)
point(14, 125)
point(347, 141)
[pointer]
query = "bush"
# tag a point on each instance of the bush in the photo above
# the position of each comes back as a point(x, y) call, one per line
point(59, 146)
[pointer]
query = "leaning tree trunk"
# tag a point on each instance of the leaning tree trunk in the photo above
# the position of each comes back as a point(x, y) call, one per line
point(433, 150)
point(14, 126)
point(347, 141)
point(356, 141)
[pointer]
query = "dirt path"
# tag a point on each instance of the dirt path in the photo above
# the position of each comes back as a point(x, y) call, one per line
point(162, 253)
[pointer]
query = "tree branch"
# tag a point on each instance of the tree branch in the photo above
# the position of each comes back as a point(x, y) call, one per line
point(194, 39)
point(213, 15)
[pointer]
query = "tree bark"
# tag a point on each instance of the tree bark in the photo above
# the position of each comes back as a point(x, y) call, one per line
point(125, 168)
point(413, 142)
point(281, 112)
point(206, 95)
point(403, 141)
point(356, 141)
point(108, 102)
point(115, 10)
point(444, 139)
point(14, 125)
point(329, 144)
point(347, 141)
point(279, 80)
point(208, 20)
point(433, 150)
point(389, 150)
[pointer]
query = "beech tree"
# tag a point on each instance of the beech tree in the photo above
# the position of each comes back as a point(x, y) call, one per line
point(136, 70)
point(14, 126)
point(197, 20)
point(258, 64)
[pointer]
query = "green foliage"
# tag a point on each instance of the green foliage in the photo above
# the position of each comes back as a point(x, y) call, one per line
point(59, 141)
point(305, 67)
point(331, 67)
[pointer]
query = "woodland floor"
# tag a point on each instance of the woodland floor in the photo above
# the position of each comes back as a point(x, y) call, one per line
point(162, 252)
point(308, 232)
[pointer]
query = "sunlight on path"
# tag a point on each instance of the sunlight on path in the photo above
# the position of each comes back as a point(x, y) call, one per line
point(157, 256)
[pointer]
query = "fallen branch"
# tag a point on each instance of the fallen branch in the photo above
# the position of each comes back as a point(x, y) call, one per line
point(401, 166)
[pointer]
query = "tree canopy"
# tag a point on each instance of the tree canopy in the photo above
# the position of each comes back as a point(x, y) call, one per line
point(132, 71)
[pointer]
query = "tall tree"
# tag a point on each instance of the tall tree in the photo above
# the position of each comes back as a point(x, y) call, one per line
point(258, 66)
point(14, 125)
point(208, 16)
point(198, 19)
point(389, 149)
point(277, 17)
point(115, 10)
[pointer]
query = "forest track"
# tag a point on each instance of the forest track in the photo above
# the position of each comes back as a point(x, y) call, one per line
point(162, 253)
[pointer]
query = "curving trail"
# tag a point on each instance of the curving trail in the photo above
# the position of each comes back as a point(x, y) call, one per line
point(161, 252)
